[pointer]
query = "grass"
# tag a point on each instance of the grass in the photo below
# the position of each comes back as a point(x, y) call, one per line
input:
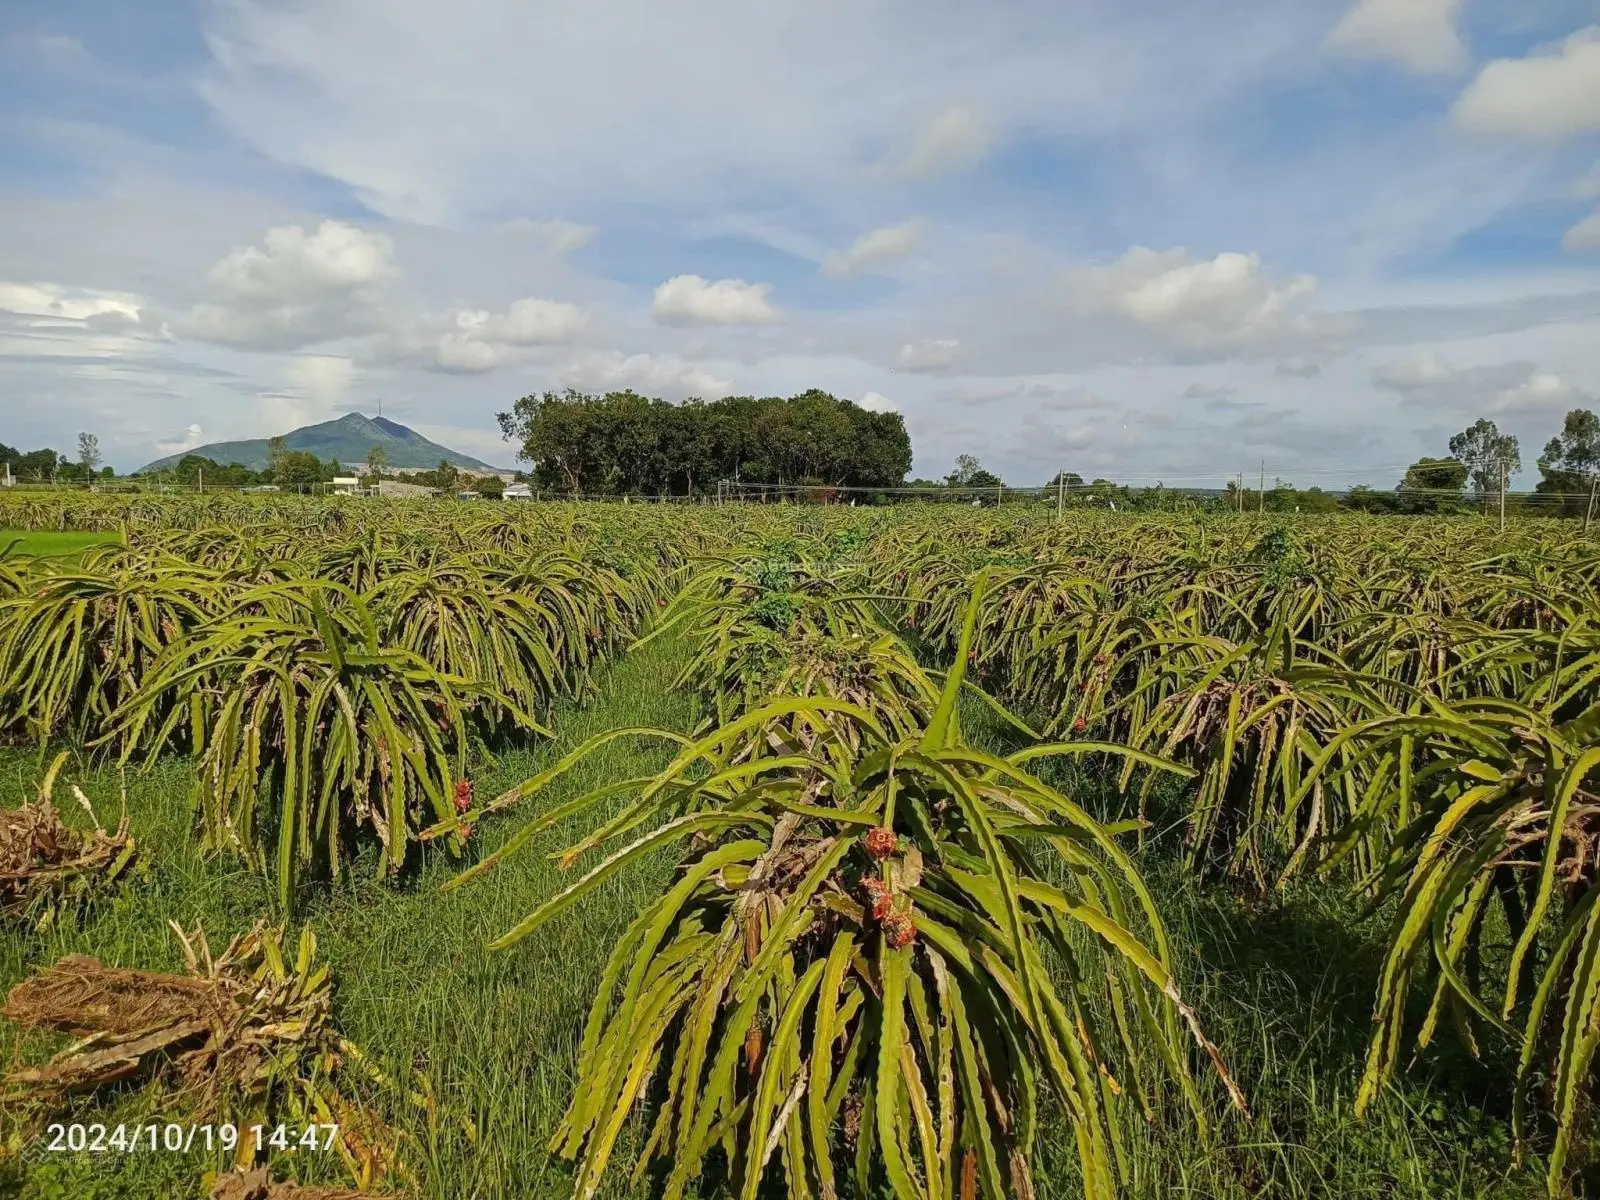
point(491, 1034)
point(32, 544)
point(489, 1039)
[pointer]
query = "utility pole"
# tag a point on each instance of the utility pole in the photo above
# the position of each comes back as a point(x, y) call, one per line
point(1502, 495)
point(999, 495)
point(200, 474)
point(1061, 495)
point(1238, 492)
point(1261, 494)
point(1588, 516)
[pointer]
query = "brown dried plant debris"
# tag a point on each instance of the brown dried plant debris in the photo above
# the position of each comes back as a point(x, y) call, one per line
point(243, 1036)
point(44, 863)
point(231, 1028)
point(259, 1185)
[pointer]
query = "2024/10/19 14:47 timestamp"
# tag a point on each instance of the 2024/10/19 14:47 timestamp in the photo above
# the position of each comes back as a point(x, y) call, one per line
point(181, 1139)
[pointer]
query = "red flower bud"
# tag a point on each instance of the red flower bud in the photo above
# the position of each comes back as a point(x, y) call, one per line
point(1079, 725)
point(879, 901)
point(880, 841)
point(899, 930)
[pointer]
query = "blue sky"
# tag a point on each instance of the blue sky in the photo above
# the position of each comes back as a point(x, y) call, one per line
point(1142, 241)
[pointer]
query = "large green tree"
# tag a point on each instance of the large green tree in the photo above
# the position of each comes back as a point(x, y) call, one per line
point(1432, 485)
point(1569, 462)
point(299, 468)
point(625, 443)
point(1491, 456)
point(197, 468)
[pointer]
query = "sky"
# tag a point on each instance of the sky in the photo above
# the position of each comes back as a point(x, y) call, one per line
point(1138, 239)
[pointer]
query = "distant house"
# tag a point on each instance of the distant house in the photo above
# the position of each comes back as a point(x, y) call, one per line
point(467, 495)
point(346, 485)
point(517, 491)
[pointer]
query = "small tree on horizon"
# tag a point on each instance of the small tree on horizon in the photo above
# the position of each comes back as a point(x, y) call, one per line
point(969, 473)
point(88, 454)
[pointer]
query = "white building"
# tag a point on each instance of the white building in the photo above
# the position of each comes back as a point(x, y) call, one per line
point(517, 491)
point(346, 485)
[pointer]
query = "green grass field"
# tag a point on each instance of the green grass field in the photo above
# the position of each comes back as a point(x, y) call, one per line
point(491, 1037)
point(52, 545)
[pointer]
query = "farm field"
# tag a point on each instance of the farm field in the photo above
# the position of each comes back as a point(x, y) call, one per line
point(1211, 857)
point(48, 544)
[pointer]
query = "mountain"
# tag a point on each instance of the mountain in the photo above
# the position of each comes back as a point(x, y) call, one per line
point(349, 439)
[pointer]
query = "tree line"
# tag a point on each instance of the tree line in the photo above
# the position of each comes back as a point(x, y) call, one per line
point(285, 468)
point(49, 466)
point(288, 468)
point(622, 443)
point(1480, 464)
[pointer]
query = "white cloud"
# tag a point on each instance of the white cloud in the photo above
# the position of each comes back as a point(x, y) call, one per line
point(1588, 188)
point(1299, 368)
point(892, 241)
point(559, 237)
point(1543, 391)
point(458, 352)
point(693, 300)
point(1226, 303)
point(1497, 390)
point(324, 378)
point(528, 322)
point(1209, 391)
point(1036, 395)
point(1548, 95)
point(182, 441)
point(1585, 235)
point(472, 341)
point(878, 402)
point(290, 263)
point(295, 288)
point(299, 289)
point(929, 354)
point(58, 45)
point(952, 141)
point(667, 376)
point(1419, 35)
point(423, 110)
point(68, 304)
point(1426, 370)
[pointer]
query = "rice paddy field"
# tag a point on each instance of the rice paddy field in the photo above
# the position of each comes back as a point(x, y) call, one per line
point(549, 850)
